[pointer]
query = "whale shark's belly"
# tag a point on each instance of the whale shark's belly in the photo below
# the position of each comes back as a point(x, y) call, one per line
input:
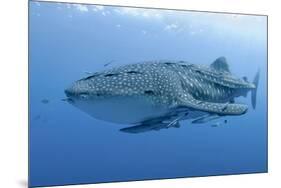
point(123, 110)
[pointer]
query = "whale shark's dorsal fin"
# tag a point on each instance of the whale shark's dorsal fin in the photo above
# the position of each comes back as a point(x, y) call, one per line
point(220, 64)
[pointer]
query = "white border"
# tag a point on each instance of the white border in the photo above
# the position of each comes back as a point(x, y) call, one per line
point(13, 94)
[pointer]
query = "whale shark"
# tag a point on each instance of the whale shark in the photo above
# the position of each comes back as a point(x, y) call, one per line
point(156, 95)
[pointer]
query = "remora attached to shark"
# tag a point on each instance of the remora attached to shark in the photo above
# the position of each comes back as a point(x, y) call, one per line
point(156, 95)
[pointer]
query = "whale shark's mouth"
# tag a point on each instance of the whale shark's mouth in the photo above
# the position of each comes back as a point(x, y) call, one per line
point(72, 97)
point(78, 94)
point(72, 93)
point(69, 100)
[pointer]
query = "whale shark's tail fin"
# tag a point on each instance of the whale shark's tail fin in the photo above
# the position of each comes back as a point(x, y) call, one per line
point(254, 91)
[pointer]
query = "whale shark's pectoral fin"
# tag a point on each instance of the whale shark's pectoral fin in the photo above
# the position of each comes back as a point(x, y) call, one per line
point(155, 124)
point(150, 125)
point(215, 108)
point(145, 127)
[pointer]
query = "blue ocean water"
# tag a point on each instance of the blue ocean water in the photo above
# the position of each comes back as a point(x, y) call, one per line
point(68, 146)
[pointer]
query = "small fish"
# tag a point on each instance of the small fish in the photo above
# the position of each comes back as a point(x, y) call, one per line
point(215, 125)
point(45, 101)
point(225, 121)
point(106, 64)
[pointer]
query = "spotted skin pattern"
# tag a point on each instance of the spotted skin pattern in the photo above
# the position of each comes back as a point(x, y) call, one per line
point(169, 91)
point(169, 84)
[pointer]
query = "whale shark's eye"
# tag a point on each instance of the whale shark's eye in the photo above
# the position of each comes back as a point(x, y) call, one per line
point(83, 95)
point(149, 92)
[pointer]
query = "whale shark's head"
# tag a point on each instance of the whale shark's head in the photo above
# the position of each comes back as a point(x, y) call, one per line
point(116, 96)
point(109, 85)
